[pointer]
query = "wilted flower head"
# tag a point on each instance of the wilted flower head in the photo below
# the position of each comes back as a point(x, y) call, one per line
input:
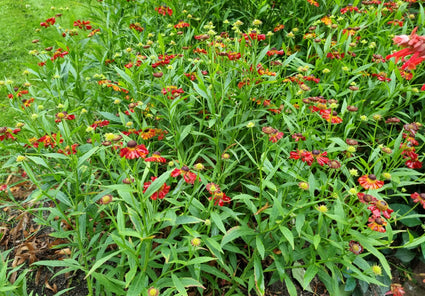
point(355, 247)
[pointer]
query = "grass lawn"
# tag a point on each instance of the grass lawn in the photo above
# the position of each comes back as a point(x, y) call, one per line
point(19, 20)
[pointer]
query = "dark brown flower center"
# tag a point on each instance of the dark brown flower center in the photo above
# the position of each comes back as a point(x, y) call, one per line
point(367, 198)
point(131, 144)
point(379, 221)
point(372, 177)
point(315, 152)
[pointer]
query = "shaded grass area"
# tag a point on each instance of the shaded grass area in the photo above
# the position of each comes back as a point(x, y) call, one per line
point(19, 21)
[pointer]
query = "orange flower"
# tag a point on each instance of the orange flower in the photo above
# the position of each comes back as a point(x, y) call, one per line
point(156, 157)
point(377, 223)
point(147, 134)
point(134, 151)
point(370, 182)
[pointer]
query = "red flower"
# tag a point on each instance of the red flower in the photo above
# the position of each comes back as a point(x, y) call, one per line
point(181, 25)
point(298, 137)
point(355, 247)
point(100, 123)
point(377, 223)
point(413, 163)
point(49, 22)
point(419, 197)
point(370, 182)
point(396, 290)
point(309, 157)
point(278, 28)
point(366, 198)
point(48, 141)
point(296, 154)
point(64, 115)
point(156, 157)
point(275, 136)
point(83, 25)
point(219, 198)
point(134, 151)
point(137, 27)
point(331, 116)
point(3, 187)
point(212, 187)
point(161, 193)
point(172, 91)
point(164, 10)
point(69, 150)
point(379, 206)
point(6, 133)
point(413, 45)
point(188, 176)
point(349, 8)
point(313, 2)
point(234, 56)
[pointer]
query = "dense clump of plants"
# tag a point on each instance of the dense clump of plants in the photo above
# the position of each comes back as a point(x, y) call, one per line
point(180, 152)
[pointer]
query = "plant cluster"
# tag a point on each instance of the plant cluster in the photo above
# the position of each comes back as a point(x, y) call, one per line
point(203, 154)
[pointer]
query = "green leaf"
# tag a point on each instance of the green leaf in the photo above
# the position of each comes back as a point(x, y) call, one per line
point(299, 222)
point(86, 156)
point(292, 290)
point(258, 275)
point(199, 260)
point(260, 246)
point(180, 220)
point(288, 235)
point(38, 161)
point(350, 284)
point(316, 240)
point(310, 273)
point(236, 232)
point(178, 284)
point(100, 262)
point(217, 221)
point(405, 255)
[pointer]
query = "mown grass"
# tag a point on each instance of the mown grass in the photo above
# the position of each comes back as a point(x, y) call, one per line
point(19, 21)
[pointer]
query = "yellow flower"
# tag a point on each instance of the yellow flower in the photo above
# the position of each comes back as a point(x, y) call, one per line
point(257, 22)
point(351, 149)
point(20, 158)
point(354, 172)
point(386, 176)
point(352, 191)
point(322, 208)
point(196, 242)
point(377, 270)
